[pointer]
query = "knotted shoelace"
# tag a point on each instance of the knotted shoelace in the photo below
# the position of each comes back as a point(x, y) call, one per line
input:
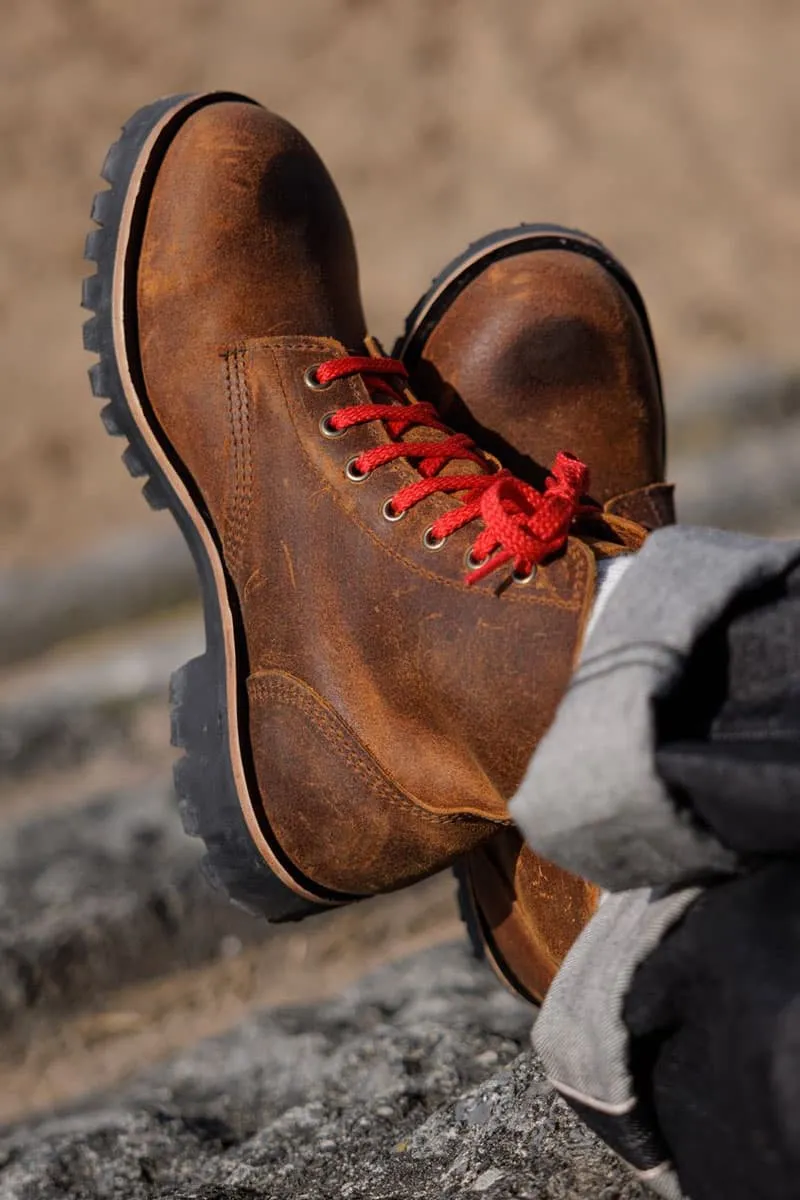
point(521, 525)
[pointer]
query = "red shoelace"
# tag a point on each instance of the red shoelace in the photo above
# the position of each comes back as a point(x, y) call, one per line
point(521, 526)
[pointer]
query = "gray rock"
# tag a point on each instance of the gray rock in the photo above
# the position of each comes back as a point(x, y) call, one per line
point(97, 896)
point(59, 712)
point(390, 1091)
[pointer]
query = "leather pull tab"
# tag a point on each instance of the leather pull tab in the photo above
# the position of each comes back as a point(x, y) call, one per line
point(652, 506)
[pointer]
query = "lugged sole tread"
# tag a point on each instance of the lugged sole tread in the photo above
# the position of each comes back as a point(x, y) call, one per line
point(109, 417)
point(91, 336)
point(203, 786)
point(93, 245)
point(91, 288)
point(133, 463)
point(97, 380)
point(102, 207)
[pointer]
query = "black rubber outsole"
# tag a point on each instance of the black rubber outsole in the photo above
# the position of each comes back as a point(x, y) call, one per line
point(446, 286)
point(208, 799)
point(467, 910)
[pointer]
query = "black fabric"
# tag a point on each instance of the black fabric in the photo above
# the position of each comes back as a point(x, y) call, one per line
point(729, 736)
point(715, 1017)
point(715, 1010)
point(630, 1135)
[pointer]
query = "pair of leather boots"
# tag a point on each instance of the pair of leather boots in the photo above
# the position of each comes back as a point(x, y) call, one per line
point(395, 588)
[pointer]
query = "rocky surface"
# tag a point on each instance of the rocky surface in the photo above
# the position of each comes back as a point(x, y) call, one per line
point(417, 1082)
point(67, 706)
point(120, 970)
point(98, 895)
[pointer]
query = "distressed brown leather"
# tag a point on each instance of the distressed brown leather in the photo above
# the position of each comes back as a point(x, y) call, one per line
point(391, 714)
point(652, 505)
point(527, 911)
point(543, 351)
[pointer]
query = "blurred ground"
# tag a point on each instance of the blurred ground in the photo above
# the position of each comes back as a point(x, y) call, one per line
point(669, 130)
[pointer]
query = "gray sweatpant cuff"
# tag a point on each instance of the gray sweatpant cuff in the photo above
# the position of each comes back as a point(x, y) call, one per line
point(592, 800)
point(582, 1038)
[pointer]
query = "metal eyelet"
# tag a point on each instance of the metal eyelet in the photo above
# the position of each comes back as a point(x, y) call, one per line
point(515, 575)
point(472, 563)
point(388, 512)
point(430, 541)
point(330, 431)
point(353, 473)
point(311, 381)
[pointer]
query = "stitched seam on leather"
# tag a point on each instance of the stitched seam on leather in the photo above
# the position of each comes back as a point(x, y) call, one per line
point(291, 343)
point(652, 508)
point(655, 499)
point(540, 598)
point(658, 498)
point(235, 410)
point(245, 407)
point(239, 425)
point(230, 508)
point(286, 693)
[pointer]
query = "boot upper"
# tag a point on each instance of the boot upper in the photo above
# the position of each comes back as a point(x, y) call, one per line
point(392, 707)
point(544, 351)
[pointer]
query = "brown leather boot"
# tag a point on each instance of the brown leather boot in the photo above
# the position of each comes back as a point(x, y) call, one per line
point(536, 339)
point(362, 711)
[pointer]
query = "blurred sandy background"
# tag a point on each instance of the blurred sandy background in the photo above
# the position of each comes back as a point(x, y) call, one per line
point(668, 129)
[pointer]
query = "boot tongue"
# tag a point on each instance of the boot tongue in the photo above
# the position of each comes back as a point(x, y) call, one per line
point(458, 466)
point(610, 536)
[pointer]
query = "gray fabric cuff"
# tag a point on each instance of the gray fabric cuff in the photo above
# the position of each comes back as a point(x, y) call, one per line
point(583, 1041)
point(592, 800)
